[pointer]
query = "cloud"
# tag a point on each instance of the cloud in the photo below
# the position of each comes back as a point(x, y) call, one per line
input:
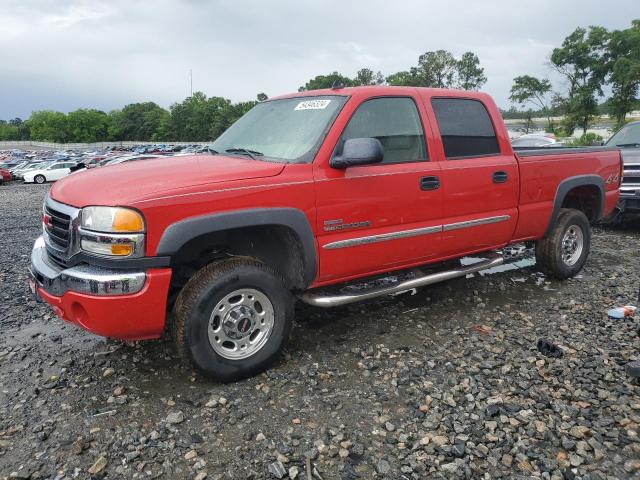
point(92, 53)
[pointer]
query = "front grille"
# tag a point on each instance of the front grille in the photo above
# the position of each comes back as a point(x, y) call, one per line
point(58, 231)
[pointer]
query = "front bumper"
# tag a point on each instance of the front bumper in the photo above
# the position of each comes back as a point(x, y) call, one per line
point(123, 304)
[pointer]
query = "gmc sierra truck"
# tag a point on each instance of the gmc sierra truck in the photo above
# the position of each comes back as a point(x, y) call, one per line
point(309, 196)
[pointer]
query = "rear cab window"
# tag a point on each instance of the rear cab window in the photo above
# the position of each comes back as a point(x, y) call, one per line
point(465, 128)
point(395, 122)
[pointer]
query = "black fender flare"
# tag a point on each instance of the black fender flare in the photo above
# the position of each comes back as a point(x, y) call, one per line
point(179, 233)
point(569, 184)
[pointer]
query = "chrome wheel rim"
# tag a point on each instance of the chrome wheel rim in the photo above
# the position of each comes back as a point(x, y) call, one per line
point(240, 324)
point(572, 245)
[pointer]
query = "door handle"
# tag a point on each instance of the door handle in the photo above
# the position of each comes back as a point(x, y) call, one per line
point(500, 177)
point(429, 183)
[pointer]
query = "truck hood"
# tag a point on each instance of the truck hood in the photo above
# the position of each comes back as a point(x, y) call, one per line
point(129, 182)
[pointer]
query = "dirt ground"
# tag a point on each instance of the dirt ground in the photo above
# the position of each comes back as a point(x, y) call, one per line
point(446, 383)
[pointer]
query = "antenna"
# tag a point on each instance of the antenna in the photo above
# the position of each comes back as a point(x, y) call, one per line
point(337, 84)
point(191, 80)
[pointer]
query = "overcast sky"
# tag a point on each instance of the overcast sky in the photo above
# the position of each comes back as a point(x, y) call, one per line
point(68, 54)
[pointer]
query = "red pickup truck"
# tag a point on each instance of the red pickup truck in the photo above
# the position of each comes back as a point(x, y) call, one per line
point(303, 197)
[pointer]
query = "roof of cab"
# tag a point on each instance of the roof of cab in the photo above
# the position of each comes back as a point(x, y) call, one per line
point(384, 90)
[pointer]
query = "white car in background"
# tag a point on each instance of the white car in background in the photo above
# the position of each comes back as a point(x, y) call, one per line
point(536, 140)
point(53, 172)
point(19, 172)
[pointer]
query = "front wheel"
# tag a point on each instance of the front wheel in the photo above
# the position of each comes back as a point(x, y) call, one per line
point(563, 253)
point(39, 179)
point(232, 318)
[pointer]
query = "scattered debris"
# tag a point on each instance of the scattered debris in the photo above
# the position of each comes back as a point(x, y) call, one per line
point(277, 469)
point(98, 466)
point(549, 349)
point(622, 312)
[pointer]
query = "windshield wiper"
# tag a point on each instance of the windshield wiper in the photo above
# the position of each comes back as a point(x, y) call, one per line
point(636, 145)
point(245, 151)
point(212, 151)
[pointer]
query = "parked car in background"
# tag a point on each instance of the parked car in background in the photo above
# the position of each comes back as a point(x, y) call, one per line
point(627, 139)
point(536, 140)
point(5, 175)
point(53, 172)
point(18, 173)
point(17, 167)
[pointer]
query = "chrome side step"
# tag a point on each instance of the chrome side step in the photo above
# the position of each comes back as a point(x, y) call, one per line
point(324, 300)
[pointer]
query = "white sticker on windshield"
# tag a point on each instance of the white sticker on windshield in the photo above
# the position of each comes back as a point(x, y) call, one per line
point(313, 105)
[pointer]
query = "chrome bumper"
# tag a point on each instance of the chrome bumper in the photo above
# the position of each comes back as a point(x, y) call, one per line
point(87, 279)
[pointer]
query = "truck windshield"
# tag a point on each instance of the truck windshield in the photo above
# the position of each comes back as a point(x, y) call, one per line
point(628, 136)
point(288, 130)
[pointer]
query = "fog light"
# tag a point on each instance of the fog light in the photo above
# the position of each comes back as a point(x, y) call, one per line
point(119, 249)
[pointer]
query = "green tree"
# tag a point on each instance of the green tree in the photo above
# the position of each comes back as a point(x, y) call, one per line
point(469, 73)
point(406, 78)
point(437, 69)
point(139, 121)
point(326, 81)
point(199, 118)
point(49, 126)
point(14, 129)
point(114, 128)
point(87, 126)
point(581, 61)
point(528, 89)
point(366, 76)
point(440, 69)
point(624, 65)
point(8, 131)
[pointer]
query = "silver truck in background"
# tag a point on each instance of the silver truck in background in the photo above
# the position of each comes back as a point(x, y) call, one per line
point(627, 139)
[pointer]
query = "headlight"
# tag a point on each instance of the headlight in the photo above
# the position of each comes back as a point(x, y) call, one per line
point(112, 231)
point(112, 219)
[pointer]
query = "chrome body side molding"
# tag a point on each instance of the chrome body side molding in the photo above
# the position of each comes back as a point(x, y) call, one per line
point(384, 237)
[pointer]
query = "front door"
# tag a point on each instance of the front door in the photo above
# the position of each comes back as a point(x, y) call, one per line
point(377, 218)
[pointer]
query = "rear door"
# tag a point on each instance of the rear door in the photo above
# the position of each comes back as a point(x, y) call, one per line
point(479, 181)
point(376, 218)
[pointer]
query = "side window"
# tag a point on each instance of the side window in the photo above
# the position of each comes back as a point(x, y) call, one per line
point(394, 121)
point(465, 128)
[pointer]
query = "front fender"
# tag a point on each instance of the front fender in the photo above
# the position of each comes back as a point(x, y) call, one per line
point(178, 234)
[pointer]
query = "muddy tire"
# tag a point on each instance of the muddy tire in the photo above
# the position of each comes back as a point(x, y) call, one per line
point(232, 318)
point(563, 253)
point(40, 179)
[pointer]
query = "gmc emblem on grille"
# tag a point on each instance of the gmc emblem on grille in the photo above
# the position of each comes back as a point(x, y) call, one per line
point(46, 221)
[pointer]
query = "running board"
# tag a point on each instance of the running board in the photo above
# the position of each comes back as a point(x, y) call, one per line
point(326, 301)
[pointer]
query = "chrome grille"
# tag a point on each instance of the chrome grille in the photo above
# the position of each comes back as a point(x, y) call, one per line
point(58, 227)
point(631, 178)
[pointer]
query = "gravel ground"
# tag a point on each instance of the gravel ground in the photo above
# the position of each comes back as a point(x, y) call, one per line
point(446, 383)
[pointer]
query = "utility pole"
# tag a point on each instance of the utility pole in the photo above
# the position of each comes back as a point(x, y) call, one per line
point(191, 81)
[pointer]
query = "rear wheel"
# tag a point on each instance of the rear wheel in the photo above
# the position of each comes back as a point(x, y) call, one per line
point(233, 318)
point(564, 252)
point(39, 179)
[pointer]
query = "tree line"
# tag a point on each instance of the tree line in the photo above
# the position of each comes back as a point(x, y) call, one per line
point(588, 60)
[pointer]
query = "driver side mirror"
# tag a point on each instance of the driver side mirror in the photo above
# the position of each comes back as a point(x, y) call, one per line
point(358, 151)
